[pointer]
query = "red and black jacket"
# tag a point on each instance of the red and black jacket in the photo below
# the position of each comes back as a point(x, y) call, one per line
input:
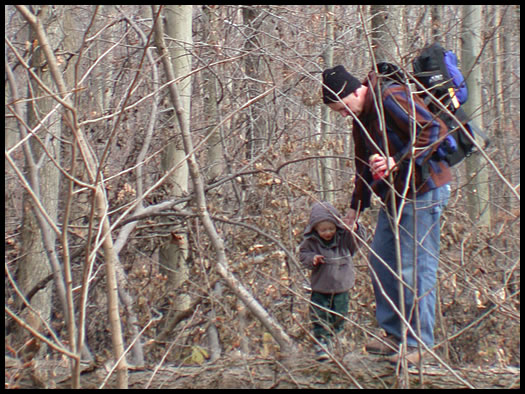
point(408, 132)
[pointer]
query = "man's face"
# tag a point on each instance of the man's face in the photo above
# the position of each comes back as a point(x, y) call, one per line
point(353, 102)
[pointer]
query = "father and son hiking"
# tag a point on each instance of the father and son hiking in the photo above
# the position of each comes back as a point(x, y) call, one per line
point(407, 132)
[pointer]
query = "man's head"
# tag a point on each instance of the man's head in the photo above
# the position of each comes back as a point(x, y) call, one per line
point(342, 90)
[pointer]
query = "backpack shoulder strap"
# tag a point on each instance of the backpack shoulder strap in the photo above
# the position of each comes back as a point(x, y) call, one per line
point(386, 83)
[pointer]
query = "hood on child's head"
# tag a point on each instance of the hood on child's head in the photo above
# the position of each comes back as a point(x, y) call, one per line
point(320, 212)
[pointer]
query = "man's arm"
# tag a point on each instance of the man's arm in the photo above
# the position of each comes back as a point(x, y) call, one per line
point(362, 193)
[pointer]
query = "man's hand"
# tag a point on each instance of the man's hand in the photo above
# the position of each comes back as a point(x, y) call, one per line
point(350, 219)
point(379, 165)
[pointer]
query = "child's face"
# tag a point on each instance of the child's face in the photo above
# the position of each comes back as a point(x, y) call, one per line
point(326, 230)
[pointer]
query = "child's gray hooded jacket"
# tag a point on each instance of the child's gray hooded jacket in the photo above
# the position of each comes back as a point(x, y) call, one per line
point(337, 274)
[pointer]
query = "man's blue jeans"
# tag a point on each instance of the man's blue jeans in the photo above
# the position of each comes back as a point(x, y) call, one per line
point(419, 263)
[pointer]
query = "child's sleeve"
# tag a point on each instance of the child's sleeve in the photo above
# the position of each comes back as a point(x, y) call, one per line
point(306, 255)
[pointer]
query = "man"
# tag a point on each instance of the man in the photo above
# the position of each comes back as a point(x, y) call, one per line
point(395, 137)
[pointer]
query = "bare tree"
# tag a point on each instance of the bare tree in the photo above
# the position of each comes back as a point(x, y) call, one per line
point(101, 115)
point(99, 194)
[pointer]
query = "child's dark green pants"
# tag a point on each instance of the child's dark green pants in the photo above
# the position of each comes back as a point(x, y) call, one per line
point(325, 323)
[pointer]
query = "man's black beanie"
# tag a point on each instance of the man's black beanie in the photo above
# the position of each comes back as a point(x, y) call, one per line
point(340, 81)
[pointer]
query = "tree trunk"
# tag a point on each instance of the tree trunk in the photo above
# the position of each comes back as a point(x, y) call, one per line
point(214, 149)
point(503, 123)
point(327, 181)
point(477, 189)
point(382, 34)
point(174, 253)
point(257, 127)
point(35, 264)
point(436, 27)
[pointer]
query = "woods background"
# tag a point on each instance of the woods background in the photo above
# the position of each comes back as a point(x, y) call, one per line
point(160, 162)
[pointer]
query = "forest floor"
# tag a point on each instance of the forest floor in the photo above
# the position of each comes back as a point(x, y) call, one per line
point(235, 372)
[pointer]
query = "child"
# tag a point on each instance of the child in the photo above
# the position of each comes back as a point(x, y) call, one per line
point(327, 250)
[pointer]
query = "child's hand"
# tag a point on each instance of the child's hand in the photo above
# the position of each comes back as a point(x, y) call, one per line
point(318, 259)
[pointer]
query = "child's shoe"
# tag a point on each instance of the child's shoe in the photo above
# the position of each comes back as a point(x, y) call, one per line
point(320, 352)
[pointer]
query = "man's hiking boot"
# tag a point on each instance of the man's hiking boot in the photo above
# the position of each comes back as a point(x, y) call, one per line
point(385, 346)
point(413, 356)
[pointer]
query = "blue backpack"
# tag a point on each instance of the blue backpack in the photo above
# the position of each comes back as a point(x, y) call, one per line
point(437, 70)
